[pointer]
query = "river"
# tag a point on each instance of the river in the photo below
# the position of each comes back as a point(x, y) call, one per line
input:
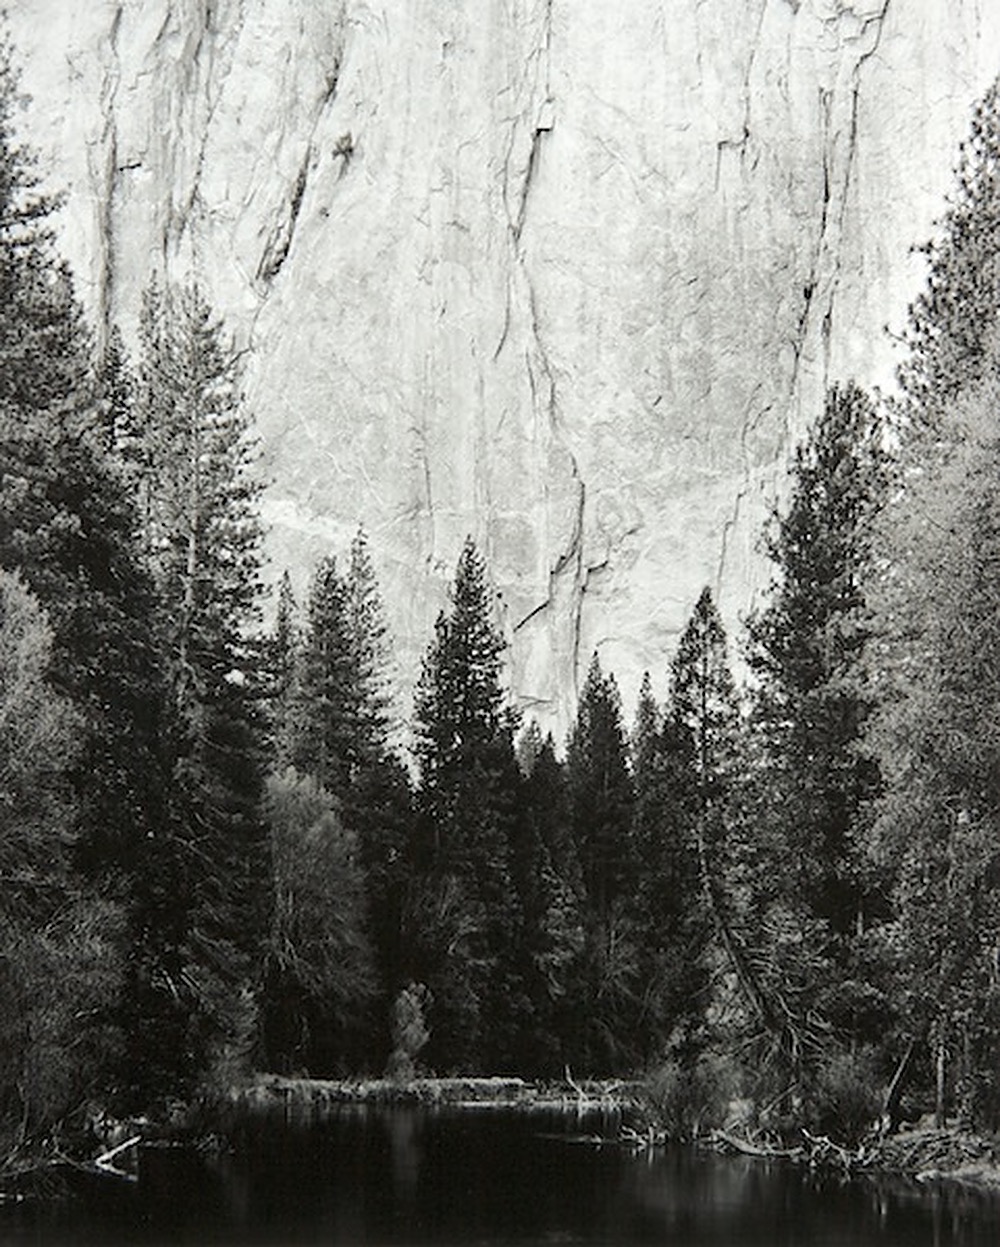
point(407, 1176)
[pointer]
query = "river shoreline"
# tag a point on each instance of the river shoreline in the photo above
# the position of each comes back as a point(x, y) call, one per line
point(500, 1092)
point(924, 1153)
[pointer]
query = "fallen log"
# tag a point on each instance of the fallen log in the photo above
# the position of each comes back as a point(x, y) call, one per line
point(104, 1160)
point(748, 1148)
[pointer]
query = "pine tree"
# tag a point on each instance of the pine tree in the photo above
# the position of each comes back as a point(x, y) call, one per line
point(369, 641)
point(549, 886)
point(600, 792)
point(204, 897)
point(282, 652)
point(704, 718)
point(671, 909)
point(343, 721)
point(464, 913)
point(65, 521)
point(808, 652)
point(340, 734)
point(329, 713)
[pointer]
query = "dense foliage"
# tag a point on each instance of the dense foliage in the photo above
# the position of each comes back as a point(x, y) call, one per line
point(218, 856)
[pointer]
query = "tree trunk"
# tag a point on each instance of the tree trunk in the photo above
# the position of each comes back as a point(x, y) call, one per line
point(942, 1069)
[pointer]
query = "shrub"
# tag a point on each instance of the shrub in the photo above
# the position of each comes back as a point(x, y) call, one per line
point(410, 1032)
point(845, 1100)
point(686, 1100)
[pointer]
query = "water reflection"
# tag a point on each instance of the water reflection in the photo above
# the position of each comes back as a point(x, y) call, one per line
point(423, 1176)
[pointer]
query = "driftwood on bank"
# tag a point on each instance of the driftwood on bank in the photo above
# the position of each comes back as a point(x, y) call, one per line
point(725, 1141)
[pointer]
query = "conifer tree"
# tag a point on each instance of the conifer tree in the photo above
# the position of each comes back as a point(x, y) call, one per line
point(65, 521)
point(808, 653)
point(600, 793)
point(549, 885)
point(282, 661)
point(704, 716)
point(465, 914)
point(205, 896)
point(369, 641)
point(670, 906)
point(329, 714)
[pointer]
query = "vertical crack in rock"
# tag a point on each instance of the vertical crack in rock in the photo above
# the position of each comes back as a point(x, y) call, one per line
point(536, 138)
point(279, 243)
point(214, 84)
point(739, 145)
point(109, 180)
point(571, 560)
point(541, 375)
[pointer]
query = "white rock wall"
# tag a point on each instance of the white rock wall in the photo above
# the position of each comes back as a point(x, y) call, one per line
point(566, 274)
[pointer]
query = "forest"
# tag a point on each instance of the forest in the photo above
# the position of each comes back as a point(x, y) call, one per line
point(219, 858)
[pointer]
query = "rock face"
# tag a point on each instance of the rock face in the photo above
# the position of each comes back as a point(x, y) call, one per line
point(568, 275)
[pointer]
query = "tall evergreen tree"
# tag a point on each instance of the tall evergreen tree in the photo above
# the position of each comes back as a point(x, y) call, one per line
point(704, 715)
point(65, 521)
point(329, 715)
point(204, 898)
point(807, 649)
point(341, 736)
point(600, 793)
point(671, 909)
point(549, 885)
point(465, 913)
point(282, 654)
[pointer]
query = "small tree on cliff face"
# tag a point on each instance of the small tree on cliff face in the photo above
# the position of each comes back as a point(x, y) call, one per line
point(464, 914)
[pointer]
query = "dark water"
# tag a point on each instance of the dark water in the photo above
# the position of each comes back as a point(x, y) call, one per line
point(408, 1176)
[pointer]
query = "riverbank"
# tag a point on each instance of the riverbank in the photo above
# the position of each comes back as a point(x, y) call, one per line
point(473, 1093)
point(925, 1154)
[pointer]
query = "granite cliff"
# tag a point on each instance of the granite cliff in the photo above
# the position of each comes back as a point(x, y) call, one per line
point(566, 274)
